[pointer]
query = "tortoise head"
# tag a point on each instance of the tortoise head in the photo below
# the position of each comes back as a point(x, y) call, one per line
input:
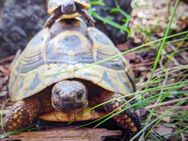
point(68, 7)
point(69, 96)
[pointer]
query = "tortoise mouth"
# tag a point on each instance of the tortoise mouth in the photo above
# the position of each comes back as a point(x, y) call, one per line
point(66, 106)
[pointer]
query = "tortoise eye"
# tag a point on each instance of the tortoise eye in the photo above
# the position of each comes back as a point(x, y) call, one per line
point(80, 95)
point(68, 7)
point(56, 90)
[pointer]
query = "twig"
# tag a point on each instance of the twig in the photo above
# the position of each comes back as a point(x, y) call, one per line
point(183, 108)
point(165, 103)
point(148, 63)
point(181, 54)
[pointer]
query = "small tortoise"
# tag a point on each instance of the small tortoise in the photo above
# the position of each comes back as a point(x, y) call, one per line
point(67, 9)
point(61, 69)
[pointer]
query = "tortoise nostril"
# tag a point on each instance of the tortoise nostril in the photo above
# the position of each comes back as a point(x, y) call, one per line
point(66, 98)
point(71, 5)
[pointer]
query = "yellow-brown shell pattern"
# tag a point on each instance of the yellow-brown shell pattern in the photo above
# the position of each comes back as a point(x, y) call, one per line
point(69, 52)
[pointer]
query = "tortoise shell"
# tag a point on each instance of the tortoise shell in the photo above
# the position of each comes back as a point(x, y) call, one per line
point(54, 4)
point(87, 114)
point(69, 51)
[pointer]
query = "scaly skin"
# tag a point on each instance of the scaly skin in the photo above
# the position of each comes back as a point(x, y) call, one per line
point(51, 20)
point(127, 120)
point(24, 112)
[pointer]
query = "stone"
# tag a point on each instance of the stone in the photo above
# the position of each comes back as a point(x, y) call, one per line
point(20, 20)
point(151, 17)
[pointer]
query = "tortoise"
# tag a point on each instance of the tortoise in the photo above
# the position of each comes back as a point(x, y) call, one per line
point(61, 70)
point(68, 9)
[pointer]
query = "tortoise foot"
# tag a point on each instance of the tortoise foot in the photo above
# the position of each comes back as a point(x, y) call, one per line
point(21, 114)
point(127, 119)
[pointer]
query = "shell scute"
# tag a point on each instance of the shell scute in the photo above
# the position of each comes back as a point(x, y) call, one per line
point(69, 54)
point(104, 49)
point(69, 47)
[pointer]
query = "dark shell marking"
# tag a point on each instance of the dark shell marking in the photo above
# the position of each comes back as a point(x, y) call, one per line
point(53, 56)
point(69, 50)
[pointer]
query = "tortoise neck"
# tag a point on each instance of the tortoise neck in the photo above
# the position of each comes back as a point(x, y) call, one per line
point(69, 21)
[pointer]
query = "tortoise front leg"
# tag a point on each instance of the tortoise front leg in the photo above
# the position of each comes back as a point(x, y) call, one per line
point(22, 114)
point(127, 120)
point(87, 16)
point(51, 20)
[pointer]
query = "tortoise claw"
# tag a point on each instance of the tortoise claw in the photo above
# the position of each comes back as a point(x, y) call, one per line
point(127, 119)
point(21, 114)
point(16, 118)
